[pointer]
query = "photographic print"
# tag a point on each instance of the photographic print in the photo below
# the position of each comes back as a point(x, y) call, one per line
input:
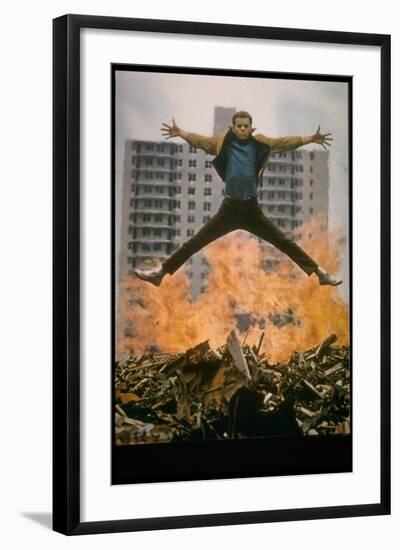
point(232, 264)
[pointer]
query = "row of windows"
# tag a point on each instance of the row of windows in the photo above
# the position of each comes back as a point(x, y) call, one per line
point(159, 147)
point(149, 203)
point(283, 208)
point(294, 155)
point(273, 181)
point(176, 232)
point(206, 205)
point(173, 219)
point(155, 232)
point(147, 217)
point(171, 204)
point(160, 203)
point(171, 190)
point(168, 247)
point(192, 219)
point(168, 162)
point(279, 167)
point(192, 163)
point(166, 176)
point(296, 223)
point(178, 148)
point(148, 231)
point(158, 232)
point(288, 224)
point(282, 195)
point(159, 175)
point(193, 177)
point(207, 191)
point(170, 176)
point(153, 162)
point(147, 247)
point(143, 162)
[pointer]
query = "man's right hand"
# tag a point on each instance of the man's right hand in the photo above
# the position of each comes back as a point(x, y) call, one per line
point(171, 131)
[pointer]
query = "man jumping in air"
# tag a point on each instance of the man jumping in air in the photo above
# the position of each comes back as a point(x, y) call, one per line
point(240, 160)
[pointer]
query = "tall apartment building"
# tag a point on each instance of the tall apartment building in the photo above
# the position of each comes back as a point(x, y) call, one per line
point(295, 189)
point(171, 190)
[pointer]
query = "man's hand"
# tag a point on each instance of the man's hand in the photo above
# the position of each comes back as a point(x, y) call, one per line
point(171, 131)
point(322, 139)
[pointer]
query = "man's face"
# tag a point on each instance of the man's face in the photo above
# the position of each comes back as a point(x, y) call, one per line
point(242, 128)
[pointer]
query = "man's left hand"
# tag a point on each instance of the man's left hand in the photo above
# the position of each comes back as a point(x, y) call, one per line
point(322, 139)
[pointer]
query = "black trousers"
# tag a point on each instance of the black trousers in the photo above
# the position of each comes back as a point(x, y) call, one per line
point(237, 214)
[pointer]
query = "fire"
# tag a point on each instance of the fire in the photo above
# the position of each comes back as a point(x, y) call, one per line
point(167, 318)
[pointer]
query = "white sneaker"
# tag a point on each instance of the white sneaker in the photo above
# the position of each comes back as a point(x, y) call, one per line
point(326, 278)
point(153, 276)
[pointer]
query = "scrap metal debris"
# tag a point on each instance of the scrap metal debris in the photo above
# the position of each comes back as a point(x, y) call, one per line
point(231, 392)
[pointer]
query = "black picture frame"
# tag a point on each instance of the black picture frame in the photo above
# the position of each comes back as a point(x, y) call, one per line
point(66, 273)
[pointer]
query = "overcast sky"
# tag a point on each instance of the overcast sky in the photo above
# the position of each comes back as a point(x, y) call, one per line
point(279, 107)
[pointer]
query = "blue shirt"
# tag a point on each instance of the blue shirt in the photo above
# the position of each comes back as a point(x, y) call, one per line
point(240, 176)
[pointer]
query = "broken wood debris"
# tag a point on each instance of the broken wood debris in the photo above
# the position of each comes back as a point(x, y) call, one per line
point(231, 392)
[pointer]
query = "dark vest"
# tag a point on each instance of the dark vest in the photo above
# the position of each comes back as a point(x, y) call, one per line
point(220, 161)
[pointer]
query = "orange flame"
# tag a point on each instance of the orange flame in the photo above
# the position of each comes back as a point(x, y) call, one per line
point(168, 318)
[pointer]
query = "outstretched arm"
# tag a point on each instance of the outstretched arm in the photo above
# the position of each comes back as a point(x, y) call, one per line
point(289, 143)
point(207, 144)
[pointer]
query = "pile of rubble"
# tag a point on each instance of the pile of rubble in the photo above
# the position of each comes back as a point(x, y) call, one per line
point(231, 392)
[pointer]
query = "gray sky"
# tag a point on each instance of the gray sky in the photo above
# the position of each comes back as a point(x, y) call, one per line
point(279, 108)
